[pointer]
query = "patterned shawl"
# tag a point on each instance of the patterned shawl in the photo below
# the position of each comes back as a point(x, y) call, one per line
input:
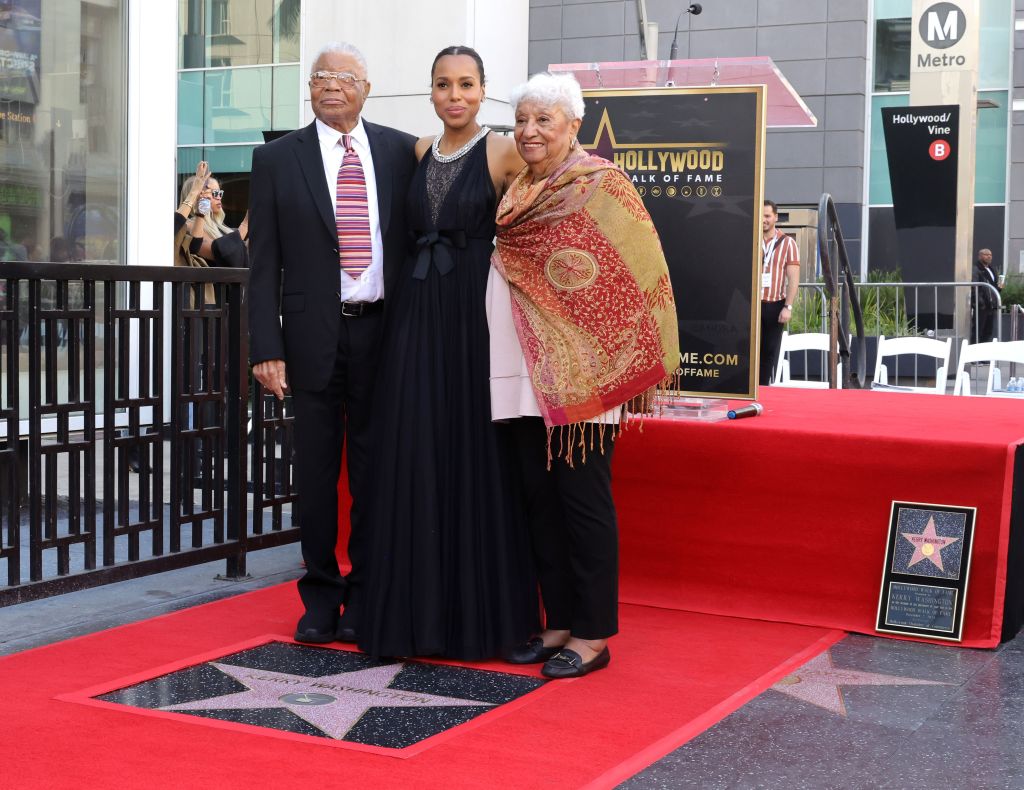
point(591, 297)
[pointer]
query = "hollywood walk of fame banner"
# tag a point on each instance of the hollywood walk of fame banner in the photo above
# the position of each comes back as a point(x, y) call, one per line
point(927, 563)
point(696, 156)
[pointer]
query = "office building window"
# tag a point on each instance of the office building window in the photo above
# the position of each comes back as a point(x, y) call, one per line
point(892, 54)
point(239, 76)
point(62, 131)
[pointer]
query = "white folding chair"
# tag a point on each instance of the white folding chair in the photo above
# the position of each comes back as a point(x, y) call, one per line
point(920, 346)
point(991, 353)
point(802, 342)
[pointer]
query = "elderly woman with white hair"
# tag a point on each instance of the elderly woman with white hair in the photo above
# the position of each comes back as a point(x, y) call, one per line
point(582, 323)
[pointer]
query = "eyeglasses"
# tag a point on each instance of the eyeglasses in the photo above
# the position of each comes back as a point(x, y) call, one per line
point(217, 193)
point(320, 79)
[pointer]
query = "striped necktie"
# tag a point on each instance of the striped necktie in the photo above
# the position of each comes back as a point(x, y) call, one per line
point(351, 214)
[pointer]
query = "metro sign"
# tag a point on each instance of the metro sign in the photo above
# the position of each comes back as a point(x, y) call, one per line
point(942, 26)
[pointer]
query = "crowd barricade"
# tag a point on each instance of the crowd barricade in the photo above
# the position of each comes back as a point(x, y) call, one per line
point(937, 310)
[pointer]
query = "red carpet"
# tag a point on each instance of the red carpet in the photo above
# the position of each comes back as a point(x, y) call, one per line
point(673, 674)
point(785, 516)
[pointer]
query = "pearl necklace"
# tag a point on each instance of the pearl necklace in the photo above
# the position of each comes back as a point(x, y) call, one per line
point(435, 147)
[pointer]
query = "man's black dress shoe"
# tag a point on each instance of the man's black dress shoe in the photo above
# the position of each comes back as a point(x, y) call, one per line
point(312, 636)
point(531, 652)
point(568, 664)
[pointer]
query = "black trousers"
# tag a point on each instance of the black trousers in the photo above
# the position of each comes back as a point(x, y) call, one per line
point(324, 421)
point(983, 327)
point(771, 339)
point(573, 531)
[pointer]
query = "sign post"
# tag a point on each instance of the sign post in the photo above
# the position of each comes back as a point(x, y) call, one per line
point(944, 70)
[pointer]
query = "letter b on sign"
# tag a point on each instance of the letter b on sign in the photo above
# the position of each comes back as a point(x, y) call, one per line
point(939, 150)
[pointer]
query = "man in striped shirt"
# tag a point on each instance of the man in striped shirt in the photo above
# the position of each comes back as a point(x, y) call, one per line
point(780, 279)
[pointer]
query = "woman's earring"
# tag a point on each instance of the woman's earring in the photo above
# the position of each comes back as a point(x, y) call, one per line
point(572, 145)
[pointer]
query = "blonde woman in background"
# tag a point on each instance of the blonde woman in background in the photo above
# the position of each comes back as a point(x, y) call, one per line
point(213, 240)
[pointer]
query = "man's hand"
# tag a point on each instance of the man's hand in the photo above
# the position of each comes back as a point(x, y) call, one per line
point(785, 315)
point(271, 375)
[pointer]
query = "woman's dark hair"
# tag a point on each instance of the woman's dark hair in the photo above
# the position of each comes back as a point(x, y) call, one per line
point(459, 49)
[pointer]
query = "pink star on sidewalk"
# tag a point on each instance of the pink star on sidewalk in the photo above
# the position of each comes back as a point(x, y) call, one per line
point(332, 703)
point(818, 682)
point(928, 545)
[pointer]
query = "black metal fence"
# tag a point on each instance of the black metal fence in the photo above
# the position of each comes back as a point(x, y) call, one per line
point(126, 443)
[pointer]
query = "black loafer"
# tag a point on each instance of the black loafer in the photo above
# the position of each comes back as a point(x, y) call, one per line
point(531, 652)
point(568, 664)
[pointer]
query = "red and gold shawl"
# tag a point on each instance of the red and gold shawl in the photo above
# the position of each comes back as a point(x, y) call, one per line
point(591, 296)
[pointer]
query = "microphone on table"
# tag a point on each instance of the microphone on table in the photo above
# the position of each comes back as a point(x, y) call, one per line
point(745, 411)
point(694, 9)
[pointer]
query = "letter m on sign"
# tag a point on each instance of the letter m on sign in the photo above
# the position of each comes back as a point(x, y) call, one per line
point(943, 31)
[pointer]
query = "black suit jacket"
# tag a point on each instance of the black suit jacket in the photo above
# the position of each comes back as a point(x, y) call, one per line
point(984, 274)
point(294, 312)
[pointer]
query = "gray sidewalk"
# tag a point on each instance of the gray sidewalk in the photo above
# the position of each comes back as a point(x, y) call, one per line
point(60, 617)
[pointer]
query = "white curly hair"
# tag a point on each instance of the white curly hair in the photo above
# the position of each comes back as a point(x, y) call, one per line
point(340, 48)
point(551, 90)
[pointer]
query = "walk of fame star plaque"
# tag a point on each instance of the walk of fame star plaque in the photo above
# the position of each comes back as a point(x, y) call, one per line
point(342, 697)
point(924, 579)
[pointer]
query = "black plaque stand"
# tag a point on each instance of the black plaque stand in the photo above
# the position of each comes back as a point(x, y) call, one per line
point(927, 563)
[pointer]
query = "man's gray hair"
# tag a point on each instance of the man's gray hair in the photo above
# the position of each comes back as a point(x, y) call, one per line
point(340, 48)
point(551, 90)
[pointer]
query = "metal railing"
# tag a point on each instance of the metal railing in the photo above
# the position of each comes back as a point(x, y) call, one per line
point(123, 423)
point(892, 309)
point(901, 309)
point(839, 288)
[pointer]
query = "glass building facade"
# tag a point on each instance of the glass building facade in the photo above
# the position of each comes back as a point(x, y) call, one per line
point(62, 130)
point(238, 76)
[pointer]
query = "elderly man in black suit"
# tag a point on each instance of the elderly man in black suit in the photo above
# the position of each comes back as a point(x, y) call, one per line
point(327, 238)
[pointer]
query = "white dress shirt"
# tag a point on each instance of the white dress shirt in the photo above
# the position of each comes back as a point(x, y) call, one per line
point(369, 286)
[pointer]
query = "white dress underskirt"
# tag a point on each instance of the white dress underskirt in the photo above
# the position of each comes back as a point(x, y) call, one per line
point(511, 390)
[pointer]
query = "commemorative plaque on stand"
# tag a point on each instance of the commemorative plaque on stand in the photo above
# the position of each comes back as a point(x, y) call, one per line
point(927, 563)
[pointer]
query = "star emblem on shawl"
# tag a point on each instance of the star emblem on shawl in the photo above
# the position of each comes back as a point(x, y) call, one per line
point(331, 703)
point(819, 682)
point(928, 545)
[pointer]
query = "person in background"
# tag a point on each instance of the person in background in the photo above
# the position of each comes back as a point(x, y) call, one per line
point(59, 249)
point(582, 322)
point(212, 240)
point(984, 303)
point(9, 251)
point(780, 282)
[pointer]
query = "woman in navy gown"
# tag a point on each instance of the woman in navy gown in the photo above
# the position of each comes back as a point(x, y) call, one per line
point(450, 571)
